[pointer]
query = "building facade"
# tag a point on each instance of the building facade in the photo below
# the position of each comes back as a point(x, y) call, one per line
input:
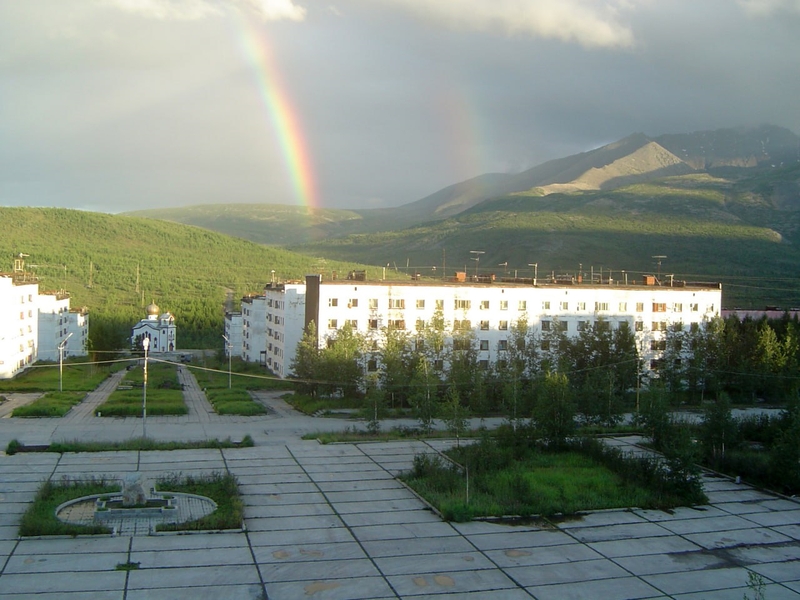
point(34, 325)
point(160, 328)
point(487, 309)
point(254, 329)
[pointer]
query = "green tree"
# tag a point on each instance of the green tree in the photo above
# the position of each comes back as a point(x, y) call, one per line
point(424, 389)
point(554, 411)
point(396, 365)
point(305, 365)
point(341, 362)
point(455, 414)
point(719, 431)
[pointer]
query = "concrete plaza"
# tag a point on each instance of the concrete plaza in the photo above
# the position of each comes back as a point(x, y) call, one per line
point(332, 522)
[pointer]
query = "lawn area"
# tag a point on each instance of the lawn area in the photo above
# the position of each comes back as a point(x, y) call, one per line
point(533, 481)
point(234, 402)
point(213, 377)
point(164, 394)
point(40, 518)
point(52, 404)
point(44, 377)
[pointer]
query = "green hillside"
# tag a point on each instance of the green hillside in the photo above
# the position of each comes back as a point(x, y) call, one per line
point(742, 231)
point(186, 270)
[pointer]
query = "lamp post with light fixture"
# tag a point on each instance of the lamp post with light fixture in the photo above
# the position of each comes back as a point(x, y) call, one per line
point(229, 346)
point(146, 346)
point(61, 347)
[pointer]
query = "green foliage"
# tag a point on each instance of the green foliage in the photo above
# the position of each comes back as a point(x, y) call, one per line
point(40, 518)
point(554, 411)
point(186, 270)
point(455, 414)
point(164, 396)
point(234, 402)
point(718, 432)
point(51, 404)
point(44, 377)
point(222, 488)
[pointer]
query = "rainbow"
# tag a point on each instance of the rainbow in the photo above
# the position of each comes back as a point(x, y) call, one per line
point(285, 119)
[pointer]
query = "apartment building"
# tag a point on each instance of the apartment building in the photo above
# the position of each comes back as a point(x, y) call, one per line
point(487, 308)
point(33, 325)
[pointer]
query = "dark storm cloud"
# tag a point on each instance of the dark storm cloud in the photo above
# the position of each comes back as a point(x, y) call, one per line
point(118, 104)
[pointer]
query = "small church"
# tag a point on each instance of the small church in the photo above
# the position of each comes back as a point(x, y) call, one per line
point(160, 328)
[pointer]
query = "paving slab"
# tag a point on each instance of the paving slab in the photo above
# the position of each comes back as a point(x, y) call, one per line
point(308, 552)
point(193, 577)
point(771, 592)
point(80, 581)
point(417, 546)
point(318, 569)
point(626, 588)
point(451, 582)
point(739, 537)
point(402, 531)
point(624, 531)
point(360, 519)
point(520, 539)
point(434, 563)
point(676, 562)
point(773, 518)
point(644, 546)
point(699, 581)
point(294, 523)
point(725, 523)
point(22, 562)
point(364, 588)
point(534, 556)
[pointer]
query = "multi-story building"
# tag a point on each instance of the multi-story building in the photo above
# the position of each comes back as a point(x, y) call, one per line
point(33, 325)
point(233, 333)
point(254, 329)
point(488, 309)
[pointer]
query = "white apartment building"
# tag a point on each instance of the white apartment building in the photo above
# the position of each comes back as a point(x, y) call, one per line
point(254, 329)
point(33, 325)
point(59, 324)
point(488, 309)
point(233, 333)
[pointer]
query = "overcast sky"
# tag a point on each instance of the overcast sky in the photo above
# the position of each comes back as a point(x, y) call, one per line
point(115, 105)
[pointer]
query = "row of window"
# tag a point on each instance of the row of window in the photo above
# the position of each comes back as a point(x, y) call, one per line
point(522, 305)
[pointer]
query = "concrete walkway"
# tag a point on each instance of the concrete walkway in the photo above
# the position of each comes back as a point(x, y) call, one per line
point(332, 522)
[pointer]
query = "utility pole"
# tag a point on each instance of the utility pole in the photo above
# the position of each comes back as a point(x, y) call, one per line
point(535, 271)
point(146, 346)
point(229, 347)
point(61, 347)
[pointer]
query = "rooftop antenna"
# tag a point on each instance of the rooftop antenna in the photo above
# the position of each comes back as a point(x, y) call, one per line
point(659, 258)
point(477, 259)
point(505, 267)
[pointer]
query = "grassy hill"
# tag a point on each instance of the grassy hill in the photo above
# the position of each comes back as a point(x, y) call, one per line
point(742, 231)
point(186, 270)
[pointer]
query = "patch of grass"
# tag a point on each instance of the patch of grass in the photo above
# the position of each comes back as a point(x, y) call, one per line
point(311, 405)
point(524, 480)
point(135, 444)
point(222, 488)
point(40, 518)
point(52, 404)
point(44, 377)
point(396, 433)
point(164, 395)
point(234, 402)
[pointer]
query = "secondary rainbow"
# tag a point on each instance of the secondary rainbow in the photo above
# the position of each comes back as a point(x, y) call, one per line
point(276, 100)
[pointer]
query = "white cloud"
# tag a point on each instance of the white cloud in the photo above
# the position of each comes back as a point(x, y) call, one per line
point(769, 7)
point(190, 10)
point(586, 22)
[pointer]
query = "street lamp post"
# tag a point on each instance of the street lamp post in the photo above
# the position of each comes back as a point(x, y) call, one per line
point(146, 346)
point(229, 347)
point(61, 347)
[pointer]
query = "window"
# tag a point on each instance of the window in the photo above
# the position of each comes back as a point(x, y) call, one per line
point(353, 303)
point(600, 306)
point(333, 302)
point(372, 365)
point(659, 326)
point(640, 307)
point(353, 323)
point(623, 307)
point(421, 303)
point(638, 326)
point(373, 324)
point(502, 345)
point(484, 305)
point(694, 307)
point(459, 325)
point(545, 345)
point(677, 307)
point(484, 325)
point(583, 325)
point(419, 345)
point(503, 304)
point(438, 364)
point(463, 304)
point(397, 324)
point(523, 305)
point(397, 303)
point(461, 344)
point(546, 305)
point(659, 307)
point(656, 364)
point(503, 326)
point(484, 345)
point(563, 306)
point(563, 326)
point(546, 325)
point(22, 316)
point(483, 364)
point(709, 309)
point(332, 323)
point(581, 305)
point(420, 324)
point(440, 305)
point(373, 303)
